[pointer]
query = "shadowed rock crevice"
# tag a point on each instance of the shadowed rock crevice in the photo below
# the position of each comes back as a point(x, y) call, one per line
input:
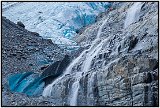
point(55, 70)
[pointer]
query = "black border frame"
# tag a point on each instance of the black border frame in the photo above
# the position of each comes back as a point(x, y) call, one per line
point(80, 1)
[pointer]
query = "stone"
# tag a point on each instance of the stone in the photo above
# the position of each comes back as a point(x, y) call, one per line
point(44, 66)
point(133, 42)
point(54, 70)
point(100, 56)
point(153, 64)
point(19, 23)
point(16, 40)
point(35, 33)
point(13, 54)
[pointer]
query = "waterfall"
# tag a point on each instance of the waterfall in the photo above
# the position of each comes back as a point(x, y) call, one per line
point(86, 66)
point(74, 90)
point(90, 87)
point(133, 14)
point(90, 54)
point(101, 27)
point(69, 69)
point(74, 93)
point(48, 89)
point(93, 51)
point(89, 57)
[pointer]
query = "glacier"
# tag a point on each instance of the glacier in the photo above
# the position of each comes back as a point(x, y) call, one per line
point(57, 21)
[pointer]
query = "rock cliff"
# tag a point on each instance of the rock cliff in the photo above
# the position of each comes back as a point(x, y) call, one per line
point(120, 64)
point(117, 65)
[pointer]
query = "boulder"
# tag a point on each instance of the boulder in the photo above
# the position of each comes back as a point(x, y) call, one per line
point(19, 23)
point(55, 70)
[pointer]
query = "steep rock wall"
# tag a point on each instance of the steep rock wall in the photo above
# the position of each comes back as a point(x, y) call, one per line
point(125, 71)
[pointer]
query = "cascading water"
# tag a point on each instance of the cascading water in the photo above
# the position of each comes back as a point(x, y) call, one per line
point(89, 58)
point(90, 86)
point(133, 14)
point(48, 89)
point(74, 93)
point(93, 51)
point(86, 66)
point(90, 54)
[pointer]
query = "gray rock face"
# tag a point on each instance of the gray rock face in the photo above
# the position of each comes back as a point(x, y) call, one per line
point(125, 71)
point(55, 70)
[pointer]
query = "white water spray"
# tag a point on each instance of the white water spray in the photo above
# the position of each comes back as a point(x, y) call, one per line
point(90, 84)
point(74, 93)
point(92, 52)
point(133, 14)
point(48, 89)
point(90, 56)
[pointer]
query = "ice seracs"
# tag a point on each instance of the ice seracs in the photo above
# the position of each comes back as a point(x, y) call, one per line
point(57, 21)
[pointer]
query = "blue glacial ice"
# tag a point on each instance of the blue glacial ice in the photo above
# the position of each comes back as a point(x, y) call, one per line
point(57, 21)
point(26, 82)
